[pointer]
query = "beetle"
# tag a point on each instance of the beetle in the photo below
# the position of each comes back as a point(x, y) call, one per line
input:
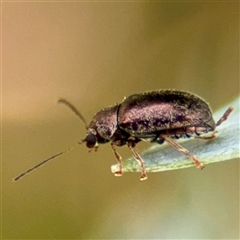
point(154, 116)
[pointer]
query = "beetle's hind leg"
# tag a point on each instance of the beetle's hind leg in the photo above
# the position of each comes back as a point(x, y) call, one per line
point(212, 136)
point(219, 122)
point(224, 116)
point(183, 151)
point(131, 145)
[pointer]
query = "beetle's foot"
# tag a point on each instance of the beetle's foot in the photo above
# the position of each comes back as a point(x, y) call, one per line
point(143, 177)
point(212, 136)
point(118, 174)
point(199, 165)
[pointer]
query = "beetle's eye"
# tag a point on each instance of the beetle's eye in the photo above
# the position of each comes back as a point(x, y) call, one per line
point(91, 140)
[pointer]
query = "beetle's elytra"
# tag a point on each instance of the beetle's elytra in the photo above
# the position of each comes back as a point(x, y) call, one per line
point(156, 117)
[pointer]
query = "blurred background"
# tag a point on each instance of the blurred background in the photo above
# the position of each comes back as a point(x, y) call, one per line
point(94, 54)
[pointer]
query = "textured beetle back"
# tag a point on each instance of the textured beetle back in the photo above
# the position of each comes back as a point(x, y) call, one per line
point(149, 112)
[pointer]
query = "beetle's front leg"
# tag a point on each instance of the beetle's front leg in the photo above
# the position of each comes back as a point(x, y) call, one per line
point(118, 157)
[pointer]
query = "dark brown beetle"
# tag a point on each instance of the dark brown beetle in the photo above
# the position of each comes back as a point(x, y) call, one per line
point(155, 116)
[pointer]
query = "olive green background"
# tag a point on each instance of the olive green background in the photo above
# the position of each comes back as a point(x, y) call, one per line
point(94, 54)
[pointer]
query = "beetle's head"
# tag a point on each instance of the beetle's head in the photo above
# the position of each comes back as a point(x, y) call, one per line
point(91, 139)
point(96, 130)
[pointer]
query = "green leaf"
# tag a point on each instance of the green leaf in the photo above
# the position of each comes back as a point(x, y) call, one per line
point(225, 146)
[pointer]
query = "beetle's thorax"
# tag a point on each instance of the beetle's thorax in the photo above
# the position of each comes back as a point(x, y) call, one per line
point(104, 123)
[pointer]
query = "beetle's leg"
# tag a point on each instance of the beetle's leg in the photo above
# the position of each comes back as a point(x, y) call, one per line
point(224, 116)
point(212, 136)
point(219, 122)
point(119, 159)
point(183, 150)
point(138, 158)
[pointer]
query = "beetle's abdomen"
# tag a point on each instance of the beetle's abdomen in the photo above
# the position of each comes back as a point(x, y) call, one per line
point(142, 115)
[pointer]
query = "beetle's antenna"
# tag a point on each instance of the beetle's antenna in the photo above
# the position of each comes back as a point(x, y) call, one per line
point(61, 100)
point(40, 164)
